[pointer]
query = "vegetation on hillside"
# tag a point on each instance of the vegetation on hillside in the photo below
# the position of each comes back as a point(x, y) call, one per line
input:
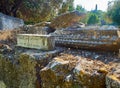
point(114, 11)
point(34, 10)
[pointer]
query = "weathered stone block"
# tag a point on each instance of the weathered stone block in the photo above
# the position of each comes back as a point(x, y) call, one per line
point(113, 78)
point(44, 42)
point(9, 22)
point(65, 20)
point(58, 73)
point(90, 74)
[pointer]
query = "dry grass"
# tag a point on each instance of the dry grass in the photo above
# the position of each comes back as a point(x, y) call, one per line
point(4, 35)
point(8, 35)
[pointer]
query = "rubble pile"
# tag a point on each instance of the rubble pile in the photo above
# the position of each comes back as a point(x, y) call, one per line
point(62, 67)
point(72, 71)
point(58, 72)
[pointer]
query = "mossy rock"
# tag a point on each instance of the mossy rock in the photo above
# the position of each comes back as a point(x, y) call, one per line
point(18, 74)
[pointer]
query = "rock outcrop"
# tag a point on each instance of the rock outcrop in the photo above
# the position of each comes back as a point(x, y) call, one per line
point(113, 78)
point(67, 71)
point(58, 72)
point(19, 73)
point(90, 74)
point(23, 71)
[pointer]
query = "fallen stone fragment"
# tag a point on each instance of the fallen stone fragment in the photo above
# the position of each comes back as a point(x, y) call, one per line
point(113, 78)
point(66, 20)
point(67, 71)
point(112, 81)
point(9, 22)
point(57, 74)
point(90, 74)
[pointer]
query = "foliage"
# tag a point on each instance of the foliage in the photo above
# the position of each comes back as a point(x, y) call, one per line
point(80, 8)
point(10, 7)
point(114, 12)
point(34, 10)
point(93, 19)
point(71, 8)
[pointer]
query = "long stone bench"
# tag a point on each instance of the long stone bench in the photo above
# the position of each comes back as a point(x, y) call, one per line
point(43, 42)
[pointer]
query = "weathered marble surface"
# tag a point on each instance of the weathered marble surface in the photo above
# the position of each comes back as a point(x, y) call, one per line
point(44, 42)
point(9, 22)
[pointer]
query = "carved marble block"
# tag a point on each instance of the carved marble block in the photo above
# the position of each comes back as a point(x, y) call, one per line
point(43, 42)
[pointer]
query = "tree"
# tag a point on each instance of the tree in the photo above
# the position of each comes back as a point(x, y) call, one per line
point(34, 10)
point(10, 7)
point(71, 8)
point(80, 8)
point(67, 6)
point(93, 19)
point(113, 12)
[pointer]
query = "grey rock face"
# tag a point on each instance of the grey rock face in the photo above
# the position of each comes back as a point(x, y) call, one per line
point(9, 22)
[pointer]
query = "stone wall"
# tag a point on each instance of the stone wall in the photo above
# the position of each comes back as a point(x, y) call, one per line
point(9, 22)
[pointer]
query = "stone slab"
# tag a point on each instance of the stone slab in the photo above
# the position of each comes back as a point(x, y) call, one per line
point(43, 42)
point(9, 22)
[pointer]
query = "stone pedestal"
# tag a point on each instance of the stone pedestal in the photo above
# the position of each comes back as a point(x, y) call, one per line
point(43, 42)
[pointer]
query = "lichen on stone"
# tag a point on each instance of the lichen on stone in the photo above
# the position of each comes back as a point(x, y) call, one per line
point(18, 75)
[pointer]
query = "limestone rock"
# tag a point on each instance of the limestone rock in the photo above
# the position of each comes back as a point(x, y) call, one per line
point(66, 20)
point(43, 42)
point(67, 71)
point(112, 81)
point(57, 74)
point(90, 74)
point(113, 78)
point(18, 74)
point(8, 22)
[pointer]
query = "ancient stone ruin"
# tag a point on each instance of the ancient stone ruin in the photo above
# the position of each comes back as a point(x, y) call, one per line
point(71, 57)
point(45, 42)
point(107, 40)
